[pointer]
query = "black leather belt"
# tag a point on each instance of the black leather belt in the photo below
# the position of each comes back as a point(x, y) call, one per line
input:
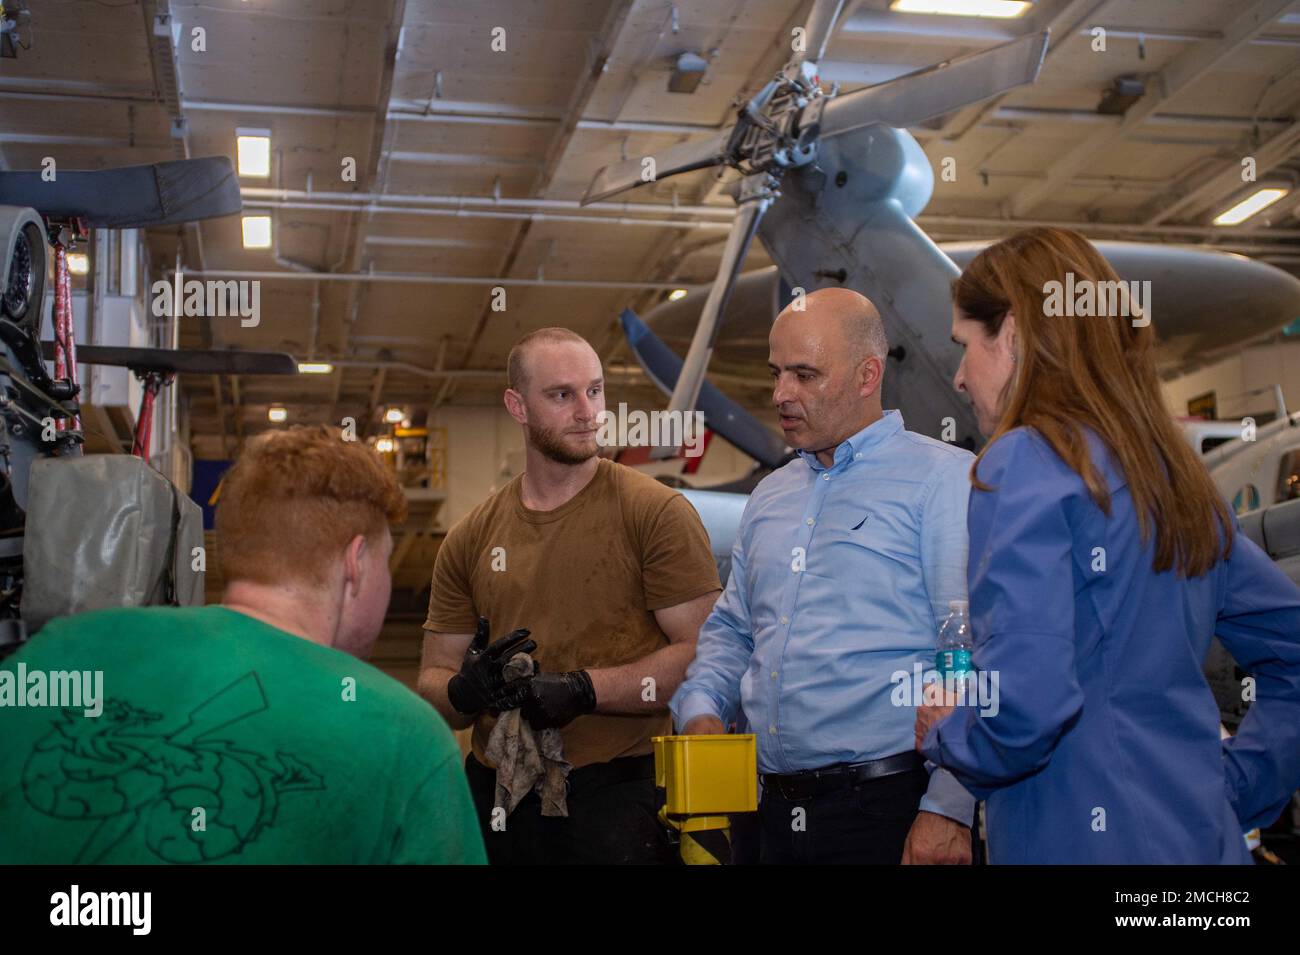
point(816, 782)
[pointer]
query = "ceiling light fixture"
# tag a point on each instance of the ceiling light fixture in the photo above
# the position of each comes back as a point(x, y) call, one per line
point(257, 232)
point(253, 147)
point(998, 9)
point(1255, 203)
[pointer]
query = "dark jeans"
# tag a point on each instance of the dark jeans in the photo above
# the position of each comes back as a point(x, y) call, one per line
point(611, 819)
point(865, 824)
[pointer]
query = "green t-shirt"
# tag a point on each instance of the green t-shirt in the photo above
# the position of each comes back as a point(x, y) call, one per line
point(221, 739)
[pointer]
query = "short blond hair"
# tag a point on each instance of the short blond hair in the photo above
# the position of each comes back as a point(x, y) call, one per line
point(516, 367)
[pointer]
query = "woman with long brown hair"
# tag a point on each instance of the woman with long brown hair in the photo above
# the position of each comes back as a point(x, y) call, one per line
point(1102, 562)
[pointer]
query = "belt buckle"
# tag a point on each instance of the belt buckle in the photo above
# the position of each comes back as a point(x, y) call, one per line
point(815, 778)
point(785, 788)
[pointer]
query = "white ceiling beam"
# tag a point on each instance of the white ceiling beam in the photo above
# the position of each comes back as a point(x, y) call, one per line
point(423, 278)
point(600, 48)
point(1185, 69)
point(362, 113)
point(375, 208)
point(1005, 226)
point(1184, 36)
point(459, 159)
point(417, 108)
point(376, 170)
point(1061, 21)
point(877, 26)
point(396, 199)
point(1222, 184)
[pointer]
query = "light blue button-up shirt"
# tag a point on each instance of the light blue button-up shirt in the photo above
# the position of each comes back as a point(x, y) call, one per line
point(840, 579)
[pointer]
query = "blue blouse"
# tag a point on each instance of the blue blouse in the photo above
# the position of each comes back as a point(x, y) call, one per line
point(1105, 745)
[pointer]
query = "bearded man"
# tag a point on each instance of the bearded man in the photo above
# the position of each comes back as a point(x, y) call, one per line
point(611, 574)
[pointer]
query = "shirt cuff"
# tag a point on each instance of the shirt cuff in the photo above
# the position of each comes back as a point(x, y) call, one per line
point(949, 798)
point(690, 705)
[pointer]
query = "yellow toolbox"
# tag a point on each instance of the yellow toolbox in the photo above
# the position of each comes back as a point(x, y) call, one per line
point(707, 774)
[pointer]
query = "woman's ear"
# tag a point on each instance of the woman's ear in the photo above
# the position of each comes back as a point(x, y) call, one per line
point(1007, 334)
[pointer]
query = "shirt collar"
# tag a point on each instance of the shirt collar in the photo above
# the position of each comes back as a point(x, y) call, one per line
point(856, 446)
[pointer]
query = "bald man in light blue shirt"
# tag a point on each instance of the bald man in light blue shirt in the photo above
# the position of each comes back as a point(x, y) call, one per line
point(841, 575)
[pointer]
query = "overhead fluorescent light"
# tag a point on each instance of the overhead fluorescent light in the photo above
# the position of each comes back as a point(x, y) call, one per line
point(278, 414)
point(999, 9)
point(676, 293)
point(257, 232)
point(78, 263)
point(384, 445)
point(253, 147)
point(314, 368)
point(394, 415)
point(1252, 204)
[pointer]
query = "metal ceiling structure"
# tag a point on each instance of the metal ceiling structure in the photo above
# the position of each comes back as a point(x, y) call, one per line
point(470, 160)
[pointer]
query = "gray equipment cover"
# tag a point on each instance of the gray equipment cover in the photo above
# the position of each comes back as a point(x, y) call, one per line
point(106, 530)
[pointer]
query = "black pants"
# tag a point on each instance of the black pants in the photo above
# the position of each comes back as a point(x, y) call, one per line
point(865, 824)
point(611, 819)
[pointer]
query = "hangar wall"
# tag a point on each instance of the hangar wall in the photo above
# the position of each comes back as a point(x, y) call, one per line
point(1257, 367)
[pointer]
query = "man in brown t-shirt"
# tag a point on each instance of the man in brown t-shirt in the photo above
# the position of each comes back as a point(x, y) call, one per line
point(612, 574)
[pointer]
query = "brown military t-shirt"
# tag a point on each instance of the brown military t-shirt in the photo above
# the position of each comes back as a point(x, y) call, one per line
point(585, 578)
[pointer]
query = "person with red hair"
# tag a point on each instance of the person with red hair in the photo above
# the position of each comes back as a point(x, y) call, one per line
point(250, 731)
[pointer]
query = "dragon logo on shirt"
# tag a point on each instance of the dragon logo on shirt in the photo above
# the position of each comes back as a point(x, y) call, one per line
point(133, 774)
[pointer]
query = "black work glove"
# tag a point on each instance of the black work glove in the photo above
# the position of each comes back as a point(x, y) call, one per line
point(557, 699)
point(481, 684)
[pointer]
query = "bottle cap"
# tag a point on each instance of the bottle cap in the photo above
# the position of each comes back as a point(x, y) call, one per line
point(958, 606)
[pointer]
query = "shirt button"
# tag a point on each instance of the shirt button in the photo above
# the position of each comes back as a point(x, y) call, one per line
point(772, 730)
point(826, 477)
point(809, 522)
point(773, 674)
point(785, 619)
point(858, 456)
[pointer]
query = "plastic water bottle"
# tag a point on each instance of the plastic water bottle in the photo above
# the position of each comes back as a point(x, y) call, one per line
point(954, 649)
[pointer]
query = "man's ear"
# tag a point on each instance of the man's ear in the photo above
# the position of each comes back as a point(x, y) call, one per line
point(514, 402)
point(353, 561)
point(870, 372)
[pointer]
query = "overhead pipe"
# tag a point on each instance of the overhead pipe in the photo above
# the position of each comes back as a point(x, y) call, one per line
point(1185, 36)
point(478, 202)
point(410, 278)
point(378, 208)
point(1205, 232)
